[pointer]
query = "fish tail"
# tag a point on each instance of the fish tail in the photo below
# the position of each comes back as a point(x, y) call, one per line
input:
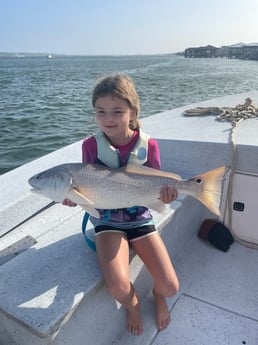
point(212, 182)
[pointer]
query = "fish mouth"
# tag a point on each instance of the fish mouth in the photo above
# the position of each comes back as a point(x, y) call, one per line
point(33, 185)
point(35, 190)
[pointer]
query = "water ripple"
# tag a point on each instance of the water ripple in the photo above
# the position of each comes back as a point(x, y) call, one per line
point(46, 104)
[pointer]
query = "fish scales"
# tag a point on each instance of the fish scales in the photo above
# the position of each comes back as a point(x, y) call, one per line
point(98, 187)
point(111, 189)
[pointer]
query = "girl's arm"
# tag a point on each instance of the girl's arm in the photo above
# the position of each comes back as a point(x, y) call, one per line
point(167, 193)
point(89, 150)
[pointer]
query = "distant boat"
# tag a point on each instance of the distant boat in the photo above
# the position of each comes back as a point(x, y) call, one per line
point(19, 55)
point(49, 56)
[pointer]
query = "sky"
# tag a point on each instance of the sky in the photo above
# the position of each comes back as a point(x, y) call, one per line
point(124, 27)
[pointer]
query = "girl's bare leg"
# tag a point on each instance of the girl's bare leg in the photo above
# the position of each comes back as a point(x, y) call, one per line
point(134, 321)
point(162, 312)
point(113, 256)
point(153, 252)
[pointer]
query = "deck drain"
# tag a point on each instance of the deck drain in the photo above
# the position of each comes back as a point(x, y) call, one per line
point(16, 248)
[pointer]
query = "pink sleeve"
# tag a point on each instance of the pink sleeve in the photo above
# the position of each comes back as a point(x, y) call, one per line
point(89, 150)
point(153, 155)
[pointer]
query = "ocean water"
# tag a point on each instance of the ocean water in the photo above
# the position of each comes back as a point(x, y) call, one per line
point(46, 103)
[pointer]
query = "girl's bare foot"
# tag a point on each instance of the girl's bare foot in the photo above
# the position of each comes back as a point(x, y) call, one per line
point(134, 321)
point(162, 312)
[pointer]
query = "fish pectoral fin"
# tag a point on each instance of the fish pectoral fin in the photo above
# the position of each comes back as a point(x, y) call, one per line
point(81, 196)
point(92, 211)
point(84, 202)
point(146, 171)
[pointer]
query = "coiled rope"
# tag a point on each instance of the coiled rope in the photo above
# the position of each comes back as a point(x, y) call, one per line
point(234, 115)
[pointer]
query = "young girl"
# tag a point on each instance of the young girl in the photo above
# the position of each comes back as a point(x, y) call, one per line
point(120, 140)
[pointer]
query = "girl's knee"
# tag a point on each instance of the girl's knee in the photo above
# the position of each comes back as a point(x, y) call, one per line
point(119, 289)
point(168, 288)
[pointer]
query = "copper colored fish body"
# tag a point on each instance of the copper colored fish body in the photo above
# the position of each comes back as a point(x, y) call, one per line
point(95, 186)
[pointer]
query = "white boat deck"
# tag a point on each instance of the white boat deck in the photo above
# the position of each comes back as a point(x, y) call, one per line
point(217, 303)
point(52, 291)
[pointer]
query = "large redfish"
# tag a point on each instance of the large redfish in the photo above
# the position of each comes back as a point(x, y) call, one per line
point(95, 186)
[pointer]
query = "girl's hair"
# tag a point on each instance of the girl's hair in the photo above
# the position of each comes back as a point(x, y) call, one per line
point(121, 86)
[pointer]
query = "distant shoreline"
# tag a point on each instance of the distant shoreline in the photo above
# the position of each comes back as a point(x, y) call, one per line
point(24, 55)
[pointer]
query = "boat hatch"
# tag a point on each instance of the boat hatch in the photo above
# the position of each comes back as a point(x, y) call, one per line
point(244, 207)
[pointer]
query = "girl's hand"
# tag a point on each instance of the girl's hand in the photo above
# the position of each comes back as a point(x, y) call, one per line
point(168, 194)
point(68, 202)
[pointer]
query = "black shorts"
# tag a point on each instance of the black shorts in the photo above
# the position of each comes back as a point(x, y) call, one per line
point(131, 233)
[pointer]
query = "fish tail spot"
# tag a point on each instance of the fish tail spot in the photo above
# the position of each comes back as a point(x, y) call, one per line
point(210, 194)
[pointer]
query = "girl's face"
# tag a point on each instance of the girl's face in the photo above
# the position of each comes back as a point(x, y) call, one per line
point(113, 116)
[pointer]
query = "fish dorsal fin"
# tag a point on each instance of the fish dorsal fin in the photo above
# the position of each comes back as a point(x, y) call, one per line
point(143, 170)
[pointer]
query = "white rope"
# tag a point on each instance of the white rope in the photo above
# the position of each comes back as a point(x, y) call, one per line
point(231, 114)
point(235, 115)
